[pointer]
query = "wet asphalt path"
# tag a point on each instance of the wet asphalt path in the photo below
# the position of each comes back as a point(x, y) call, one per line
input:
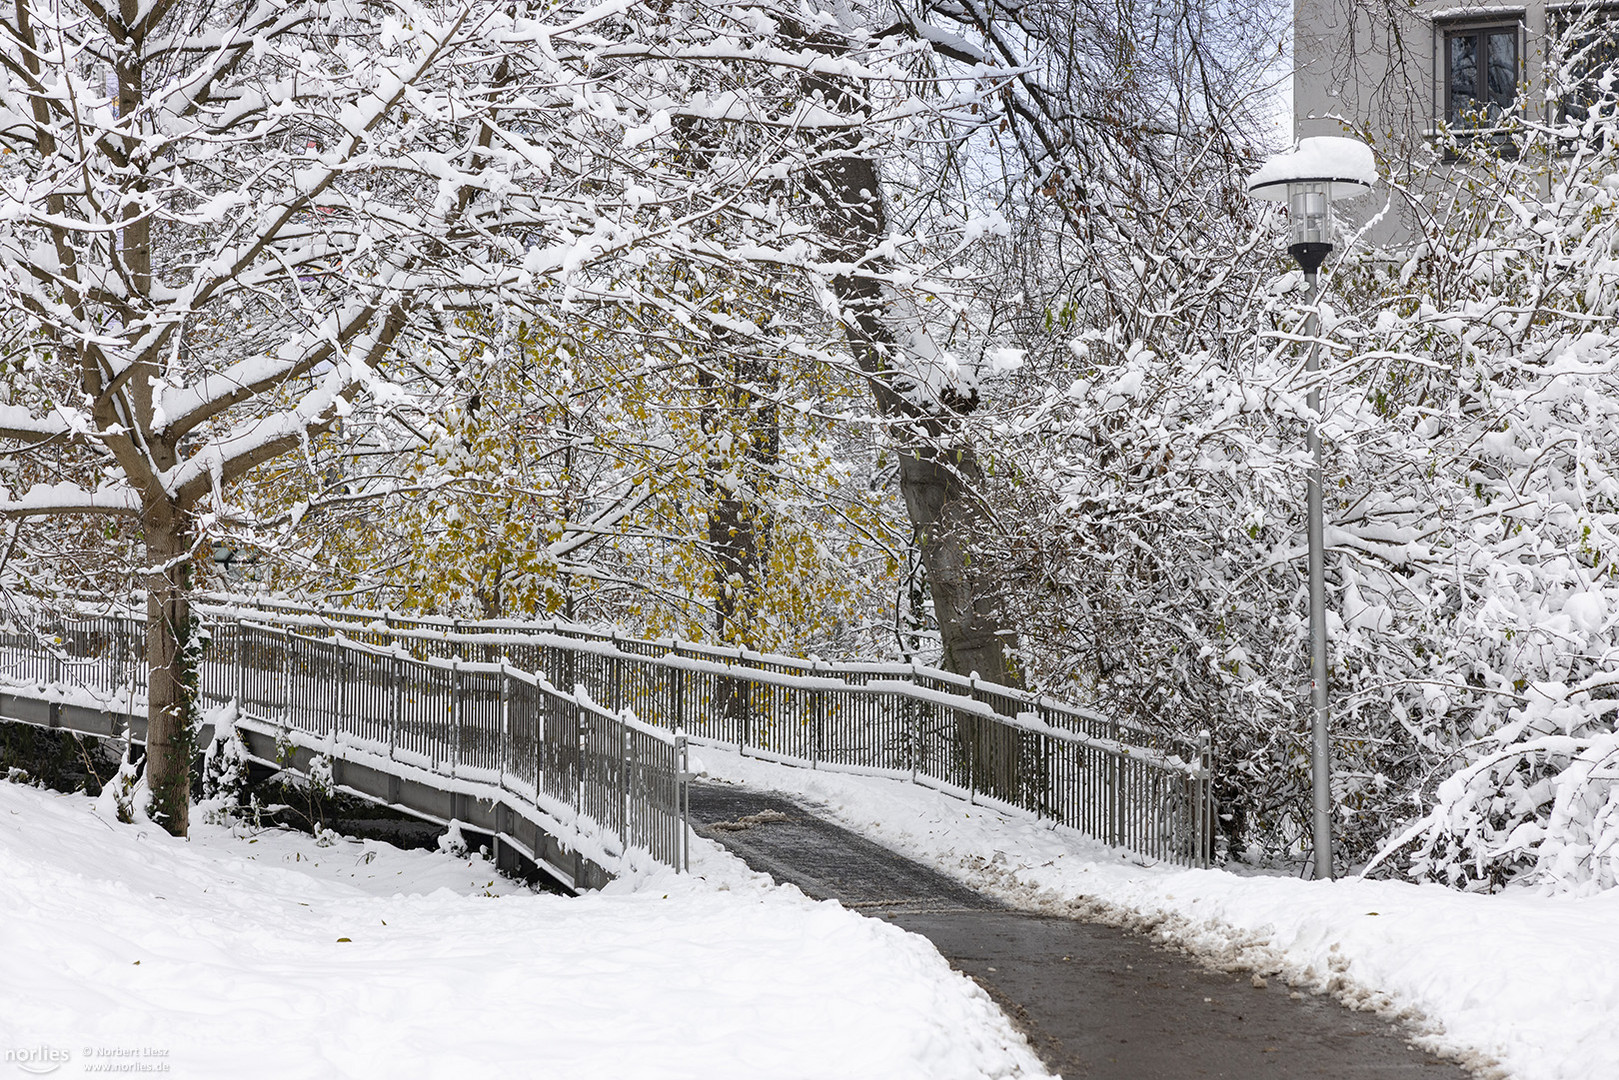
point(1094, 1001)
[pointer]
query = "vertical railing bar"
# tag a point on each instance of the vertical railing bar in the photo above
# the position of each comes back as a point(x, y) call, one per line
point(1115, 782)
point(682, 804)
point(340, 661)
point(286, 681)
point(972, 757)
point(241, 667)
point(1205, 798)
point(626, 756)
point(457, 713)
point(395, 704)
point(503, 743)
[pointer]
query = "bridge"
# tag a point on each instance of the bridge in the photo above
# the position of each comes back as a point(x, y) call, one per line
point(568, 748)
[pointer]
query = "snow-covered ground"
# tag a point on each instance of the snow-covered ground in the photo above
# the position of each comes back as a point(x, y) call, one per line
point(1516, 985)
point(264, 955)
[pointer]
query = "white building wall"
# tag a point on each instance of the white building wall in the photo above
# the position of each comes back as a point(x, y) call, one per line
point(1375, 69)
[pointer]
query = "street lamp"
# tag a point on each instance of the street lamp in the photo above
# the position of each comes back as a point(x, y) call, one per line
point(1310, 178)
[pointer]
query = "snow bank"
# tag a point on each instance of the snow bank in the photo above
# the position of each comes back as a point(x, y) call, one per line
point(1517, 984)
point(270, 956)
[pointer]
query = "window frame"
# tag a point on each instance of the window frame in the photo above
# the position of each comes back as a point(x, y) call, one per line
point(1479, 26)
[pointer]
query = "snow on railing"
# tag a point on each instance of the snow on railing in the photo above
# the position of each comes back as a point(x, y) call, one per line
point(452, 634)
point(981, 743)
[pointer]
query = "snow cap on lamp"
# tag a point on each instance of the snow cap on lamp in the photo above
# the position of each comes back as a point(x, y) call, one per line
point(1309, 178)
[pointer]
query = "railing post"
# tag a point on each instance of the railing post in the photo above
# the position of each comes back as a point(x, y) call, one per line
point(393, 711)
point(241, 668)
point(682, 805)
point(817, 726)
point(972, 757)
point(286, 679)
point(1205, 799)
point(455, 712)
point(913, 724)
point(677, 699)
point(1115, 780)
point(914, 719)
point(627, 773)
point(814, 719)
point(503, 746)
point(578, 748)
point(340, 660)
point(545, 711)
point(123, 641)
point(744, 695)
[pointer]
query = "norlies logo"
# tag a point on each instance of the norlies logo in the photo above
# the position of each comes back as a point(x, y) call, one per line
point(38, 1060)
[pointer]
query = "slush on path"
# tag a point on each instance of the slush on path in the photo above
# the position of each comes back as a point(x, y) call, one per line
point(1093, 1000)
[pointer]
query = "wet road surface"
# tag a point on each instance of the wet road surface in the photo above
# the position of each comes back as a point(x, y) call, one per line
point(1094, 1001)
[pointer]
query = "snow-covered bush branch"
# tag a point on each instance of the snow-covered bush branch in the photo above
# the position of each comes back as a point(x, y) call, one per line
point(1151, 494)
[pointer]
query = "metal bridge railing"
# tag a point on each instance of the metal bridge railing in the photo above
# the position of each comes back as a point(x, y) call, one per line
point(486, 722)
point(1144, 791)
point(430, 693)
point(439, 636)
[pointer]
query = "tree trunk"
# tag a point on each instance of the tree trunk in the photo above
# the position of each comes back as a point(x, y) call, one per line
point(937, 467)
point(171, 659)
point(739, 524)
point(937, 485)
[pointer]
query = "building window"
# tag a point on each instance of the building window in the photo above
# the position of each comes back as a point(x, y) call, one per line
point(1481, 75)
point(1587, 42)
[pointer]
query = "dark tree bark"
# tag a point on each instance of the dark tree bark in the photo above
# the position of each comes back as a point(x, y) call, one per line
point(938, 485)
point(739, 521)
point(172, 652)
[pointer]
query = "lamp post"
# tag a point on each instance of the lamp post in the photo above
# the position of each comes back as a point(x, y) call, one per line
point(1309, 178)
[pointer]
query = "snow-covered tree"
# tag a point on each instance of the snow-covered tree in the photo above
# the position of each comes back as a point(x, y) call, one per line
point(229, 234)
point(1149, 489)
point(220, 223)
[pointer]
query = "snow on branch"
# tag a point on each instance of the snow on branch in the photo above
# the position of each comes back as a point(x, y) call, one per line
point(67, 498)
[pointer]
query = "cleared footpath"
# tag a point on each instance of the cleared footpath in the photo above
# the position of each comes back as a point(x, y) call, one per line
point(1093, 1000)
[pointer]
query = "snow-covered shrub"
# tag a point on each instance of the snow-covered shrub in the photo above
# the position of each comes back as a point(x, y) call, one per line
point(320, 776)
point(1540, 811)
point(224, 771)
point(306, 795)
point(1512, 516)
point(452, 842)
point(125, 797)
point(1154, 530)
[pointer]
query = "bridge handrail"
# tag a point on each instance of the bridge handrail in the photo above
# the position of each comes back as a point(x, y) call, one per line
point(480, 667)
point(1155, 800)
point(426, 628)
point(614, 779)
point(823, 683)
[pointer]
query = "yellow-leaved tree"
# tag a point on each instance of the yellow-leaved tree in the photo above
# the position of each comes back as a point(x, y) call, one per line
point(617, 469)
